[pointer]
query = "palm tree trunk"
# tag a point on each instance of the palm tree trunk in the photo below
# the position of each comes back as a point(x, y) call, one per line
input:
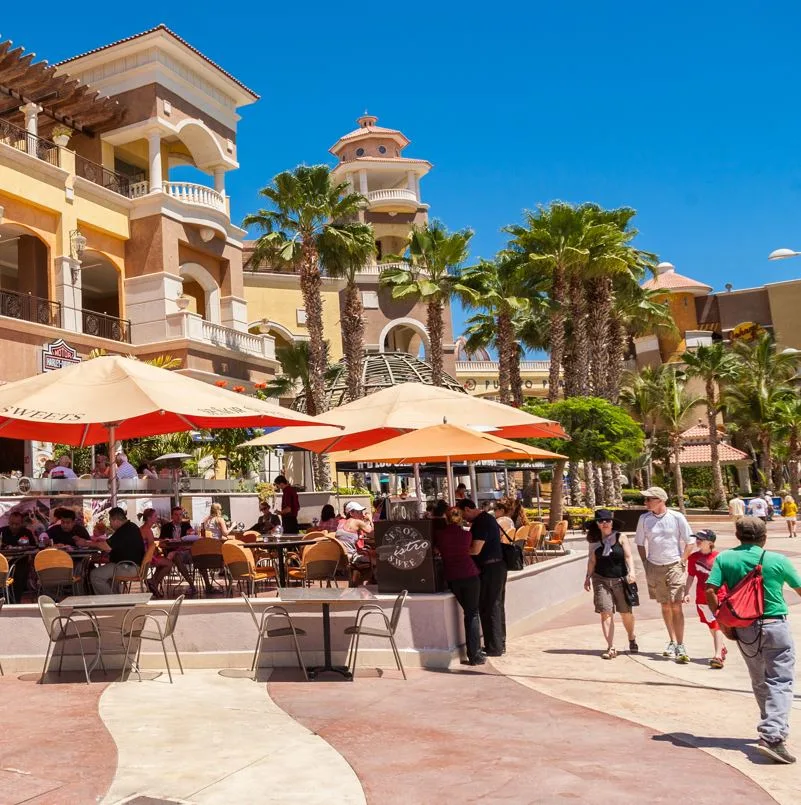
point(616, 346)
point(310, 285)
point(718, 491)
point(557, 332)
point(528, 489)
point(352, 321)
point(503, 340)
point(574, 483)
point(795, 454)
point(589, 484)
point(617, 474)
point(557, 493)
point(600, 305)
point(580, 336)
point(514, 375)
point(600, 495)
point(677, 476)
point(765, 462)
point(434, 324)
point(608, 476)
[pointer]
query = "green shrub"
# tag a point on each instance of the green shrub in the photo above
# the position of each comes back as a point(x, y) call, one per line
point(633, 496)
point(697, 502)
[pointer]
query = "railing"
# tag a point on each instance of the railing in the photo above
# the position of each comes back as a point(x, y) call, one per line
point(139, 189)
point(29, 143)
point(30, 308)
point(198, 194)
point(227, 337)
point(492, 366)
point(102, 325)
point(378, 268)
point(111, 180)
point(393, 194)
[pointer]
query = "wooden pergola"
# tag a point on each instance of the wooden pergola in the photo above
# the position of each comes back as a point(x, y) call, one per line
point(63, 100)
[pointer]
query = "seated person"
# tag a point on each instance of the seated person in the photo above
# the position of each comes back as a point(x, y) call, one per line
point(146, 472)
point(67, 532)
point(102, 469)
point(48, 468)
point(505, 522)
point(329, 519)
point(124, 545)
point(215, 524)
point(350, 533)
point(63, 469)
point(177, 528)
point(10, 535)
point(267, 521)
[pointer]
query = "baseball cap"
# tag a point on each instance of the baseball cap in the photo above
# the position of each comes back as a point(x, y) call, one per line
point(706, 534)
point(353, 506)
point(655, 492)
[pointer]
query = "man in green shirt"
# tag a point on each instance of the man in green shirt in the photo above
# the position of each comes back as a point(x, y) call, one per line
point(767, 645)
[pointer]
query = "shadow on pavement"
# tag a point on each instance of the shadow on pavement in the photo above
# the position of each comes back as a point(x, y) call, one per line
point(688, 741)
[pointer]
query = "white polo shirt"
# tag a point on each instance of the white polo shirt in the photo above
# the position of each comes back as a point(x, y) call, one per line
point(664, 537)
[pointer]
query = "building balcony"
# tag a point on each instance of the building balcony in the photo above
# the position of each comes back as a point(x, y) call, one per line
point(376, 269)
point(393, 197)
point(492, 366)
point(21, 140)
point(193, 327)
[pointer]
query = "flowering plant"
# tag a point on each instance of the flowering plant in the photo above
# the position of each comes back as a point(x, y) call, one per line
point(221, 383)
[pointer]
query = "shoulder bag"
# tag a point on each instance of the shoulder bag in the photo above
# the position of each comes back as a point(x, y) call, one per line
point(512, 554)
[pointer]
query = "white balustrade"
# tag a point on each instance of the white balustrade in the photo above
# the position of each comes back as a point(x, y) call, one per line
point(195, 194)
point(393, 194)
point(139, 189)
point(236, 340)
point(492, 366)
point(378, 268)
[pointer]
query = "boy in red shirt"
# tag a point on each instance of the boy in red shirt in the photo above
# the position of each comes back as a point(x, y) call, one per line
point(699, 566)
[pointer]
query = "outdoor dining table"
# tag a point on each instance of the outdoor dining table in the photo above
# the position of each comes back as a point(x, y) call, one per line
point(279, 545)
point(327, 597)
point(91, 603)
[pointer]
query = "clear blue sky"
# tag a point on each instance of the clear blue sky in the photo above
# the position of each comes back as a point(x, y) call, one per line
point(689, 113)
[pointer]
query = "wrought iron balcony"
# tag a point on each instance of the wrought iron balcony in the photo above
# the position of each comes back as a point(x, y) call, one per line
point(111, 180)
point(102, 325)
point(31, 144)
point(31, 308)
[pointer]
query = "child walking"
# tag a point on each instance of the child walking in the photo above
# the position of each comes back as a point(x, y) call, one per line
point(699, 566)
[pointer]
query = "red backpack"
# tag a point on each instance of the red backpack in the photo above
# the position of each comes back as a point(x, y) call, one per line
point(745, 603)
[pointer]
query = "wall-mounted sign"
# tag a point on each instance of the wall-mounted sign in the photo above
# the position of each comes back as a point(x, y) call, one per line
point(747, 331)
point(58, 354)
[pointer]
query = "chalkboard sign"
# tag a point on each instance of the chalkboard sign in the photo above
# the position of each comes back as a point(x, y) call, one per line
point(405, 556)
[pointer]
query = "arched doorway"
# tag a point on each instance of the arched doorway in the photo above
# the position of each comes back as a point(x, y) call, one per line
point(202, 290)
point(100, 284)
point(282, 336)
point(24, 281)
point(405, 335)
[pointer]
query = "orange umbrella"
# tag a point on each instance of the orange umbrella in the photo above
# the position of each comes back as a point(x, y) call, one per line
point(409, 407)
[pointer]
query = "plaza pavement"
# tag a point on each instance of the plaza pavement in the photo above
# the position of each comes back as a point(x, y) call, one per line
point(549, 722)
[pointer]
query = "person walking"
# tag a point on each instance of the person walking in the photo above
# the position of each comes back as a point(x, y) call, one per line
point(665, 541)
point(757, 507)
point(485, 548)
point(461, 573)
point(699, 567)
point(609, 565)
point(736, 507)
point(767, 644)
point(790, 513)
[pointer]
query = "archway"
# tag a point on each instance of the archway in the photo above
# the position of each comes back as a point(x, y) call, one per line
point(201, 144)
point(405, 335)
point(283, 337)
point(100, 284)
point(201, 286)
point(24, 277)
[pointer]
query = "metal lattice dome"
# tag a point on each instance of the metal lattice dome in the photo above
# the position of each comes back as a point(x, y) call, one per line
point(380, 370)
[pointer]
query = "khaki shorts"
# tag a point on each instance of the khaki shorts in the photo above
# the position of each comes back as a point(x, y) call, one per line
point(666, 582)
point(608, 595)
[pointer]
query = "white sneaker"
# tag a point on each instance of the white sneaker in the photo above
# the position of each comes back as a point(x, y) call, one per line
point(681, 654)
point(670, 650)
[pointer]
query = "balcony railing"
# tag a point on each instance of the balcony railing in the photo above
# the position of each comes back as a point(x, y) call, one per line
point(197, 194)
point(393, 194)
point(29, 143)
point(378, 268)
point(111, 180)
point(227, 337)
point(492, 366)
point(30, 308)
point(102, 325)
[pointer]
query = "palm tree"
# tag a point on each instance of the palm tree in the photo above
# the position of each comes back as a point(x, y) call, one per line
point(345, 259)
point(310, 215)
point(763, 381)
point(295, 377)
point(432, 259)
point(673, 407)
point(788, 429)
point(161, 361)
point(553, 240)
point(715, 365)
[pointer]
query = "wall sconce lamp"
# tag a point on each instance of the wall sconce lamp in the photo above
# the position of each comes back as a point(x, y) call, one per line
point(77, 248)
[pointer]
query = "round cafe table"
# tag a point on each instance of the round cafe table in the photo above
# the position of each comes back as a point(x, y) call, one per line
point(279, 545)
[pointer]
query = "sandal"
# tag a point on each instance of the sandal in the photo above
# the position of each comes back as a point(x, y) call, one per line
point(609, 654)
point(716, 662)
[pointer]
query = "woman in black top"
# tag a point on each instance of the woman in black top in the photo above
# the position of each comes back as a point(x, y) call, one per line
point(609, 564)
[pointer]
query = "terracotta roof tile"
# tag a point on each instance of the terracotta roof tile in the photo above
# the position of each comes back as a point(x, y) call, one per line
point(702, 454)
point(670, 280)
point(700, 431)
point(161, 27)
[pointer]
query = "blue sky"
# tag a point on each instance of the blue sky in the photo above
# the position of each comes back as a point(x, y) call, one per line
point(689, 113)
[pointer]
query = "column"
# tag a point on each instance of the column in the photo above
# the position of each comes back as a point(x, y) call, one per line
point(349, 180)
point(411, 181)
point(154, 160)
point(31, 112)
point(744, 478)
point(69, 293)
point(219, 180)
point(363, 182)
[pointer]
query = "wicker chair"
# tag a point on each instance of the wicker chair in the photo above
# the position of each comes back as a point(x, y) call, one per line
point(241, 567)
point(318, 563)
point(55, 571)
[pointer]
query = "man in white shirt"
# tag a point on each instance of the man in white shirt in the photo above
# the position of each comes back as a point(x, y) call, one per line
point(736, 507)
point(124, 468)
point(63, 469)
point(664, 541)
point(757, 507)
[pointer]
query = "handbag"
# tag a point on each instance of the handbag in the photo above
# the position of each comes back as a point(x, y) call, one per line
point(631, 593)
point(512, 556)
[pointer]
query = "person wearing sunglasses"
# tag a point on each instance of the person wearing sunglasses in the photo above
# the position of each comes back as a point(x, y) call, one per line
point(665, 541)
point(609, 564)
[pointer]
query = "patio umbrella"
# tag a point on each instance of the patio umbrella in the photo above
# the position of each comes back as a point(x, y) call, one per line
point(409, 406)
point(112, 398)
point(447, 442)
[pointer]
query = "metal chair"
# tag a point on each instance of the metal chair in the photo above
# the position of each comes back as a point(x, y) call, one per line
point(536, 530)
point(284, 631)
point(141, 616)
point(556, 538)
point(55, 571)
point(6, 580)
point(58, 625)
point(318, 563)
point(207, 559)
point(1, 612)
point(358, 629)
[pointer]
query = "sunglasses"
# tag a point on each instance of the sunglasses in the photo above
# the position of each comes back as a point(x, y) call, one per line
point(604, 520)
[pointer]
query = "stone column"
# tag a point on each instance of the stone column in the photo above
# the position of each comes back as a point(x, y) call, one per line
point(31, 112)
point(411, 181)
point(69, 293)
point(154, 160)
point(219, 180)
point(363, 182)
point(744, 478)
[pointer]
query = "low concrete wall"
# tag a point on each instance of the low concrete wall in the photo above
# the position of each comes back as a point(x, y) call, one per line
point(219, 633)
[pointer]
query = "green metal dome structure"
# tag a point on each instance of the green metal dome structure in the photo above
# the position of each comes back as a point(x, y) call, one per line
point(380, 370)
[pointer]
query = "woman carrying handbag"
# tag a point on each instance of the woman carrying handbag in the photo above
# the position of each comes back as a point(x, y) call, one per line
point(610, 574)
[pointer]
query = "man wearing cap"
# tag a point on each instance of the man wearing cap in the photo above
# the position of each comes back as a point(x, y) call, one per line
point(350, 533)
point(767, 644)
point(665, 541)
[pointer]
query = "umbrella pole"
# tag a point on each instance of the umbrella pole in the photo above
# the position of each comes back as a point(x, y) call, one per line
point(421, 503)
point(471, 469)
point(451, 490)
point(537, 490)
point(112, 443)
point(505, 481)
